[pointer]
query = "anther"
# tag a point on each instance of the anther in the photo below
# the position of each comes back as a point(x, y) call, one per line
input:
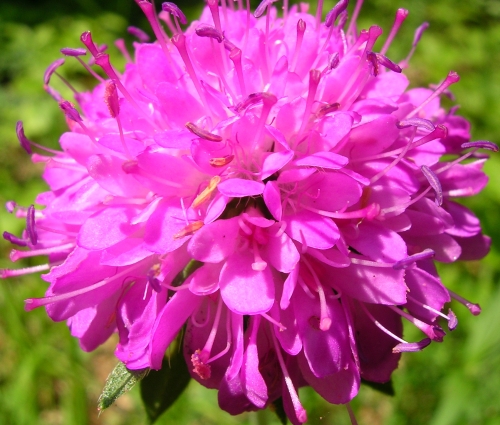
point(475, 309)
point(434, 182)
point(75, 52)
point(332, 16)
point(23, 140)
point(209, 31)
point(453, 321)
point(411, 259)
point(13, 239)
point(30, 225)
point(70, 111)
point(261, 9)
point(205, 194)
point(174, 10)
point(138, 33)
point(51, 69)
point(221, 162)
point(203, 134)
point(411, 346)
point(416, 122)
point(301, 29)
point(189, 230)
point(326, 109)
point(480, 144)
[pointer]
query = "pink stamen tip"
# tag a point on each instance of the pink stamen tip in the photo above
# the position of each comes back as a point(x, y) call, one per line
point(51, 69)
point(70, 111)
point(254, 99)
point(130, 167)
point(453, 321)
point(174, 10)
point(30, 225)
point(411, 259)
point(439, 333)
point(209, 31)
point(385, 61)
point(481, 144)
point(416, 122)
point(138, 33)
point(325, 323)
point(372, 58)
point(332, 16)
point(203, 134)
point(10, 206)
point(23, 140)
point(475, 309)
point(13, 239)
point(261, 9)
point(411, 346)
point(155, 283)
point(221, 162)
point(70, 51)
point(111, 99)
point(86, 39)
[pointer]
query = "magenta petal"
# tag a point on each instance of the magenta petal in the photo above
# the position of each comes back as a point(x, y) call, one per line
point(244, 290)
point(215, 241)
point(328, 160)
point(337, 388)
point(281, 253)
point(205, 280)
point(289, 287)
point(239, 188)
point(379, 285)
point(169, 321)
point(106, 228)
point(312, 229)
point(272, 198)
point(275, 162)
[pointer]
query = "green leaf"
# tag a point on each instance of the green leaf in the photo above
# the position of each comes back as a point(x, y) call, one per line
point(386, 388)
point(277, 407)
point(118, 383)
point(161, 388)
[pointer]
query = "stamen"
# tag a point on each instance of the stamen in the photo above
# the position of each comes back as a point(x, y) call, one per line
point(17, 255)
point(173, 9)
point(10, 206)
point(453, 321)
point(71, 113)
point(51, 69)
point(221, 162)
point(401, 15)
point(369, 212)
point(207, 192)
point(319, 14)
point(434, 332)
point(209, 31)
point(259, 264)
point(13, 239)
point(351, 414)
point(475, 309)
point(480, 144)
point(120, 45)
point(300, 412)
point(86, 39)
point(382, 327)
point(274, 322)
point(138, 33)
point(213, 5)
point(428, 307)
point(203, 134)
point(434, 182)
point(452, 78)
point(23, 140)
point(6, 273)
point(416, 122)
point(325, 321)
point(332, 16)
point(261, 9)
point(326, 109)
point(189, 230)
point(179, 41)
point(411, 347)
point(418, 35)
point(235, 56)
point(314, 77)
point(76, 53)
point(301, 29)
point(411, 259)
point(30, 225)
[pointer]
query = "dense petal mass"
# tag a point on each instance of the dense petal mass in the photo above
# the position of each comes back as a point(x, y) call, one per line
point(263, 189)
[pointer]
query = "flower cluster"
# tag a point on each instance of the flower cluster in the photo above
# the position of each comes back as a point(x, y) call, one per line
point(269, 182)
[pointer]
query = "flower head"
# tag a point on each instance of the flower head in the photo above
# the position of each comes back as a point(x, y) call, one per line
point(268, 181)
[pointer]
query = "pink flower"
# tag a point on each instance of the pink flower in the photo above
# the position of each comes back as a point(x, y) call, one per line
point(267, 180)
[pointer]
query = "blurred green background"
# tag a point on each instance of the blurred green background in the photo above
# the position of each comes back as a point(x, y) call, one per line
point(46, 379)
